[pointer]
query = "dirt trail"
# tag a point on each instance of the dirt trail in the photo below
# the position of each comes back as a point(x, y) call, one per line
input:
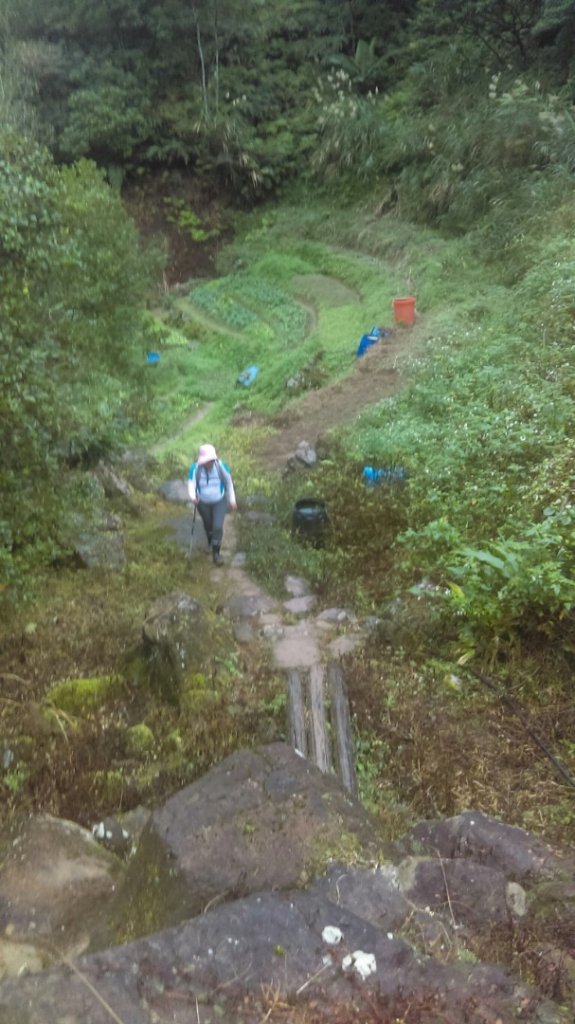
point(381, 372)
point(198, 415)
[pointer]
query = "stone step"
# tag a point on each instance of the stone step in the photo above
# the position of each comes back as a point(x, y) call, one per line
point(320, 720)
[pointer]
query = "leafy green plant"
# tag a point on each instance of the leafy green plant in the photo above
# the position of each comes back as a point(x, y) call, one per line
point(517, 585)
point(178, 213)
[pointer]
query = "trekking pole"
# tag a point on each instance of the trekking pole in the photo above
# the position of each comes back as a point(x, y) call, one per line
point(192, 530)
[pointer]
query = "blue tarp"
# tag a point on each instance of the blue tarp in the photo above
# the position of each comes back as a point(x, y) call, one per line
point(370, 339)
point(387, 475)
point(248, 376)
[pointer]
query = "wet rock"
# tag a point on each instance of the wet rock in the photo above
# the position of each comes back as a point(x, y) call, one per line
point(134, 823)
point(551, 909)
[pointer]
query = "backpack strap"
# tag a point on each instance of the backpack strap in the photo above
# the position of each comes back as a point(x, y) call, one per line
point(220, 474)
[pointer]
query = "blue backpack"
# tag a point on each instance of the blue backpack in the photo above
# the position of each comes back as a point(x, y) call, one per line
point(195, 471)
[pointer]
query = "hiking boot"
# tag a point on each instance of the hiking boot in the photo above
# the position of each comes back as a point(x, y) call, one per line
point(218, 560)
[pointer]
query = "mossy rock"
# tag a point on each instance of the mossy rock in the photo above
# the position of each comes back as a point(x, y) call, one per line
point(140, 740)
point(85, 696)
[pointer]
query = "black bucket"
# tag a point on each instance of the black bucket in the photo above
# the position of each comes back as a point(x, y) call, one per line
point(309, 521)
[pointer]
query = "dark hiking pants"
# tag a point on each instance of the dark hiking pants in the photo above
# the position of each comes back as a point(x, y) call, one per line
point(213, 519)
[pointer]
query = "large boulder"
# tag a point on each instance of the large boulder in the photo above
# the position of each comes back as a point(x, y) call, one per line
point(229, 864)
point(117, 488)
point(273, 951)
point(56, 883)
point(480, 871)
point(177, 641)
point(520, 855)
point(140, 468)
point(98, 543)
point(262, 819)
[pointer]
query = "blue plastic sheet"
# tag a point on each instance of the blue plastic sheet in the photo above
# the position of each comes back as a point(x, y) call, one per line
point(386, 475)
point(248, 376)
point(370, 339)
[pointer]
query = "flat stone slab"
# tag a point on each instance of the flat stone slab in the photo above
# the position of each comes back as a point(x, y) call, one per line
point(296, 586)
point(272, 630)
point(243, 632)
point(298, 648)
point(337, 615)
point(343, 645)
point(300, 605)
point(248, 606)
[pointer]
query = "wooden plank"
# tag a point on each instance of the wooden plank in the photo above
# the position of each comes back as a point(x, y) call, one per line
point(296, 713)
point(341, 725)
point(319, 724)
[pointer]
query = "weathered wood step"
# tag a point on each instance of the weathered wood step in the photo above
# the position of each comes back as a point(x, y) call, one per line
point(320, 720)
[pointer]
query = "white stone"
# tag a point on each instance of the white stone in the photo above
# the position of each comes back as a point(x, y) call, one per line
point(332, 935)
point(362, 963)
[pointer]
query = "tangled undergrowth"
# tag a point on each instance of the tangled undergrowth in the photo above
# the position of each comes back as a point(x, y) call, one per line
point(434, 742)
point(109, 748)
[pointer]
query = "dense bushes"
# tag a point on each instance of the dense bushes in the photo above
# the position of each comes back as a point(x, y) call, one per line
point(72, 287)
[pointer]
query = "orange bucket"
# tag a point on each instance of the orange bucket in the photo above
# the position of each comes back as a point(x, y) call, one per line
point(404, 311)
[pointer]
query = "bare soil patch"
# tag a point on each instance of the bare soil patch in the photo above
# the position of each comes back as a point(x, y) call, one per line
point(377, 375)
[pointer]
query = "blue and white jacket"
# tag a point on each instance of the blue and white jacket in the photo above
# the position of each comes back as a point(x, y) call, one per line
point(211, 487)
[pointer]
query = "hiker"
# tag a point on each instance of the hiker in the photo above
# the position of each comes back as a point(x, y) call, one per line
point(211, 490)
